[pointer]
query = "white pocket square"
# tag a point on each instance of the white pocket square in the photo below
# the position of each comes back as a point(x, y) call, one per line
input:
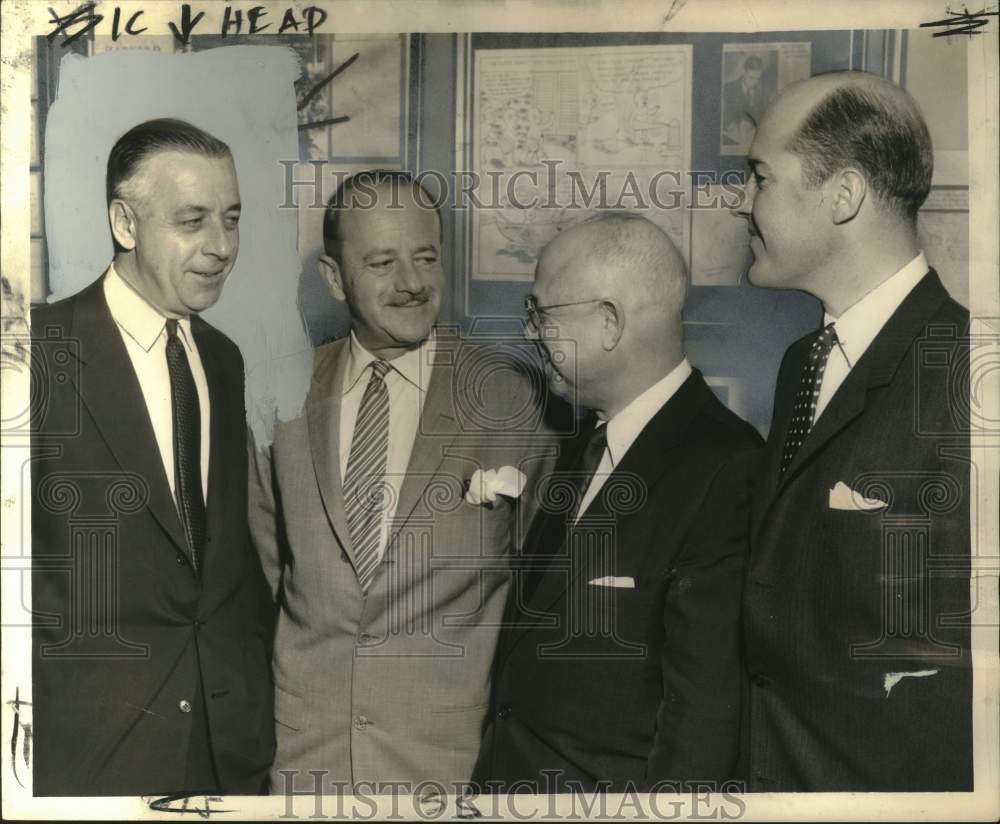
point(844, 498)
point(612, 581)
point(485, 486)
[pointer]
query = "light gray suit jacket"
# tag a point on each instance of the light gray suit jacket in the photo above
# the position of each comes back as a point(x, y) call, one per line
point(393, 686)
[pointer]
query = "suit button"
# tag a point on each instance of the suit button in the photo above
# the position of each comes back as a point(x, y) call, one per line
point(761, 680)
point(181, 560)
point(365, 639)
point(344, 558)
point(503, 713)
point(184, 705)
point(361, 722)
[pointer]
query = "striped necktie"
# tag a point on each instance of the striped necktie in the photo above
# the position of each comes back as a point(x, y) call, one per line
point(365, 495)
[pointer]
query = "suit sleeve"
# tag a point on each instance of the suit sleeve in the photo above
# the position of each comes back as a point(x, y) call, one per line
point(697, 731)
point(263, 512)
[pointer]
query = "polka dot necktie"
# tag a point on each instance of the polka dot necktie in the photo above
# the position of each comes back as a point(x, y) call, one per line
point(810, 382)
point(187, 445)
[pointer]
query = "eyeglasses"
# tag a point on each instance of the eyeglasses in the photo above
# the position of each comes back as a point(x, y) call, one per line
point(535, 312)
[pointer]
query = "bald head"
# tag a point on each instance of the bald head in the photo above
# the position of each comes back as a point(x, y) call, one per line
point(857, 120)
point(609, 293)
point(619, 256)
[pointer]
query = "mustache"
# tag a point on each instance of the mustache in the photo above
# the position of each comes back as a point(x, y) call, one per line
point(422, 296)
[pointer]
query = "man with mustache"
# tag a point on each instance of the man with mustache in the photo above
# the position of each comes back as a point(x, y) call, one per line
point(856, 610)
point(389, 576)
point(150, 667)
point(618, 665)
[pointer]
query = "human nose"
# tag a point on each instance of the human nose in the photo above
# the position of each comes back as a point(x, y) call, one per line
point(408, 279)
point(745, 205)
point(222, 241)
point(530, 328)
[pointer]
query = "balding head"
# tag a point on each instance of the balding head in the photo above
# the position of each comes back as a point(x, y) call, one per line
point(616, 285)
point(620, 256)
point(857, 120)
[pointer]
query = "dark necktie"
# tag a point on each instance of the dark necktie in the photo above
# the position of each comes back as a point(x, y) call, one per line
point(187, 445)
point(587, 464)
point(810, 382)
point(553, 534)
point(364, 495)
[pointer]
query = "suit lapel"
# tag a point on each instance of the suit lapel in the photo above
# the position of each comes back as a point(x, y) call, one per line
point(647, 459)
point(323, 421)
point(875, 369)
point(110, 390)
point(437, 430)
point(224, 443)
point(547, 531)
point(781, 418)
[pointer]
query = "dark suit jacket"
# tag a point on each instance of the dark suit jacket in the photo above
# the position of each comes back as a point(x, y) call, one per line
point(841, 604)
point(632, 685)
point(737, 105)
point(123, 626)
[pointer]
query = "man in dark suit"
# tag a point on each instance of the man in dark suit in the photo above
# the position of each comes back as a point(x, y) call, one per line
point(618, 664)
point(745, 99)
point(150, 662)
point(857, 596)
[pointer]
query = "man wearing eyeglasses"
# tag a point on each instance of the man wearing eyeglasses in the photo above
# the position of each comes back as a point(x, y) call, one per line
point(618, 664)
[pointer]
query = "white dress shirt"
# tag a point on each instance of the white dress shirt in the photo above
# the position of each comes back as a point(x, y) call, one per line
point(144, 331)
point(406, 383)
point(858, 326)
point(625, 427)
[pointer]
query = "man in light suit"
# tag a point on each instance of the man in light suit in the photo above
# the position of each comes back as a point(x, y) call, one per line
point(857, 595)
point(390, 583)
point(151, 663)
point(618, 664)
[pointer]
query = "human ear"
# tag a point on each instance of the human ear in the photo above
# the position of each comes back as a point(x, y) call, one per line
point(123, 223)
point(612, 323)
point(333, 275)
point(849, 191)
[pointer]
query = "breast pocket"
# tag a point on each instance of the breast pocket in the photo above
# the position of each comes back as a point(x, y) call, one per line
point(475, 531)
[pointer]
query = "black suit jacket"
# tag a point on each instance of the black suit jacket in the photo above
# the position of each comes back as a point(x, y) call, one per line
point(640, 685)
point(737, 105)
point(124, 630)
point(840, 605)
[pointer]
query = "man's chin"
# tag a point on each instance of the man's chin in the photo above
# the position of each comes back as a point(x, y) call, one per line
point(205, 297)
point(410, 336)
point(413, 322)
point(759, 276)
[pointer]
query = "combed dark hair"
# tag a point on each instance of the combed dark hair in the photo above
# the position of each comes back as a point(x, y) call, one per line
point(881, 132)
point(160, 135)
point(753, 62)
point(358, 191)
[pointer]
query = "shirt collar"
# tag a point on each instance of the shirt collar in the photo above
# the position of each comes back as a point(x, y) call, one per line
point(860, 323)
point(414, 365)
point(625, 427)
point(139, 319)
